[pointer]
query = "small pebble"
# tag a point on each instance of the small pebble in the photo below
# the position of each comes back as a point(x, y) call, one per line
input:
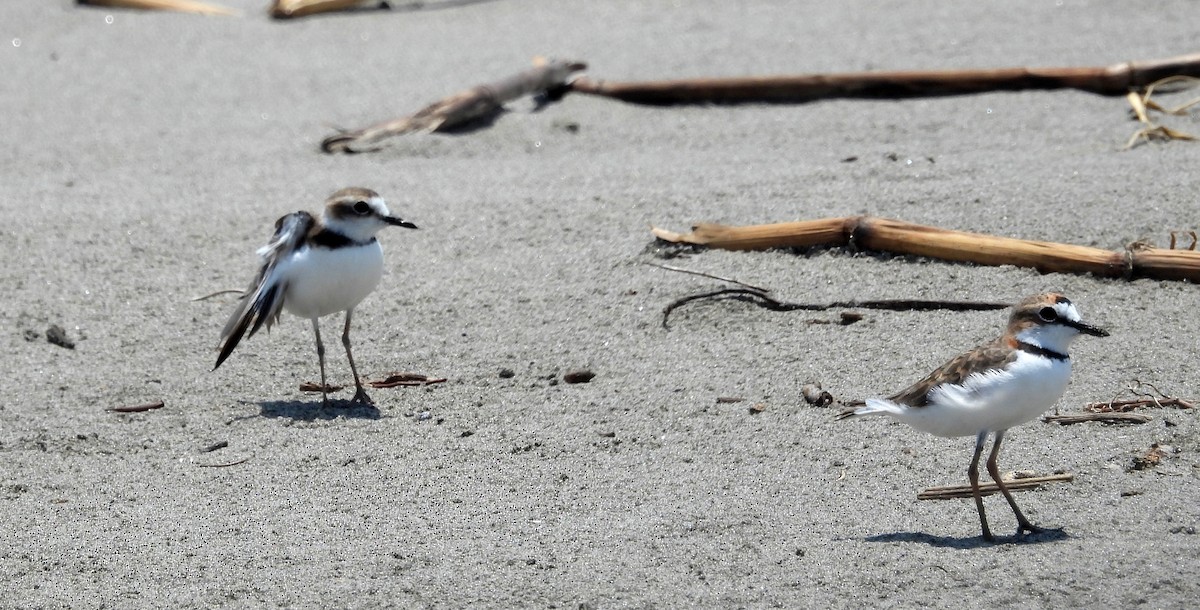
point(583, 376)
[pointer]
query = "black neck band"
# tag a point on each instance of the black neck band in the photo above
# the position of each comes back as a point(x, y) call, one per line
point(330, 239)
point(1041, 351)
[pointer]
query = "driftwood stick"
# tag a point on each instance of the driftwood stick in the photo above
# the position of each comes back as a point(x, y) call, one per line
point(901, 237)
point(183, 6)
point(473, 104)
point(1116, 79)
point(950, 492)
point(287, 9)
point(1066, 419)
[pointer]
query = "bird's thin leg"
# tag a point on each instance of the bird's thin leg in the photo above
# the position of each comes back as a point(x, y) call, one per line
point(993, 467)
point(360, 395)
point(321, 359)
point(973, 475)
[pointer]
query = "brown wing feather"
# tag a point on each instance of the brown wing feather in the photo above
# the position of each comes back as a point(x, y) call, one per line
point(989, 355)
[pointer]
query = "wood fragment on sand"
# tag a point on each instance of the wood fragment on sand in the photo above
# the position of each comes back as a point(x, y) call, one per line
point(158, 404)
point(899, 237)
point(1113, 80)
point(288, 9)
point(950, 492)
point(182, 6)
point(401, 379)
point(547, 76)
point(1067, 419)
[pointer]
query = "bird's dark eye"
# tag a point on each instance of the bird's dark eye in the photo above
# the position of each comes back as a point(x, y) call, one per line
point(1048, 314)
point(362, 208)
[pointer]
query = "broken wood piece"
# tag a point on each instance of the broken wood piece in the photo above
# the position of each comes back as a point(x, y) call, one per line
point(950, 492)
point(313, 387)
point(1116, 79)
point(1066, 419)
point(479, 102)
point(183, 6)
point(158, 404)
point(896, 236)
point(399, 379)
point(288, 9)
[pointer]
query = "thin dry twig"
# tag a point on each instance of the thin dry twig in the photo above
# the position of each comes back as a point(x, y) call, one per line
point(949, 492)
point(1154, 397)
point(1191, 234)
point(158, 404)
point(707, 275)
point(1066, 419)
point(1141, 104)
point(225, 465)
point(218, 293)
point(773, 304)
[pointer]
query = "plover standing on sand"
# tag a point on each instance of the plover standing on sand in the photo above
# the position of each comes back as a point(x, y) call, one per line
point(316, 267)
point(994, 387)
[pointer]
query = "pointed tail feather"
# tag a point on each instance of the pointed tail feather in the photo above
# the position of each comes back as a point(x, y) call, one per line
point(873, 406)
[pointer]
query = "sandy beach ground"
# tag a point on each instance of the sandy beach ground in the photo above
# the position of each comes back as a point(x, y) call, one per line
point(145, 156)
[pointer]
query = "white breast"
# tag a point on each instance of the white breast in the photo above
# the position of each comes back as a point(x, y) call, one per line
point(998, 400)
point(324, 281)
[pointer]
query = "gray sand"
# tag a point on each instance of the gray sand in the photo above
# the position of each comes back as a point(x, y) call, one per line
point(143, 161)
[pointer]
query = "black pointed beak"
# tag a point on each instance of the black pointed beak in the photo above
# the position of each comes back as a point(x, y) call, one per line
point(392, 220)
point(1086, 329)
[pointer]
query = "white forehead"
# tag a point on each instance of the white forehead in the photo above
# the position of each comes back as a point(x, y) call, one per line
point(1066, 309)
point(376, 202)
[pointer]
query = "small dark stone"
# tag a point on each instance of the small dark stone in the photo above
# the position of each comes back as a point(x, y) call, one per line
point(57, 335)
point(850, 317)
point(466, 433)
point(507, 373)
point(583, 376)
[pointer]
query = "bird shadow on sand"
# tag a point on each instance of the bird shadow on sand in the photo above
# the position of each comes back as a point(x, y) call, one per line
point(315, 410)
point(971, 542)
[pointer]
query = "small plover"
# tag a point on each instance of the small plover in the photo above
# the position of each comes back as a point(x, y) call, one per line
point(316, 267)
point(994, 387)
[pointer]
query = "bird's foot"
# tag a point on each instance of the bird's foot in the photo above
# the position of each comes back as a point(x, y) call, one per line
point(360, 397)
point(1025, 527)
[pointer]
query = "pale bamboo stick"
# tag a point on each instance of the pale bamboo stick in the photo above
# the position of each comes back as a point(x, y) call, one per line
point(183, 6)
point(907, 238)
